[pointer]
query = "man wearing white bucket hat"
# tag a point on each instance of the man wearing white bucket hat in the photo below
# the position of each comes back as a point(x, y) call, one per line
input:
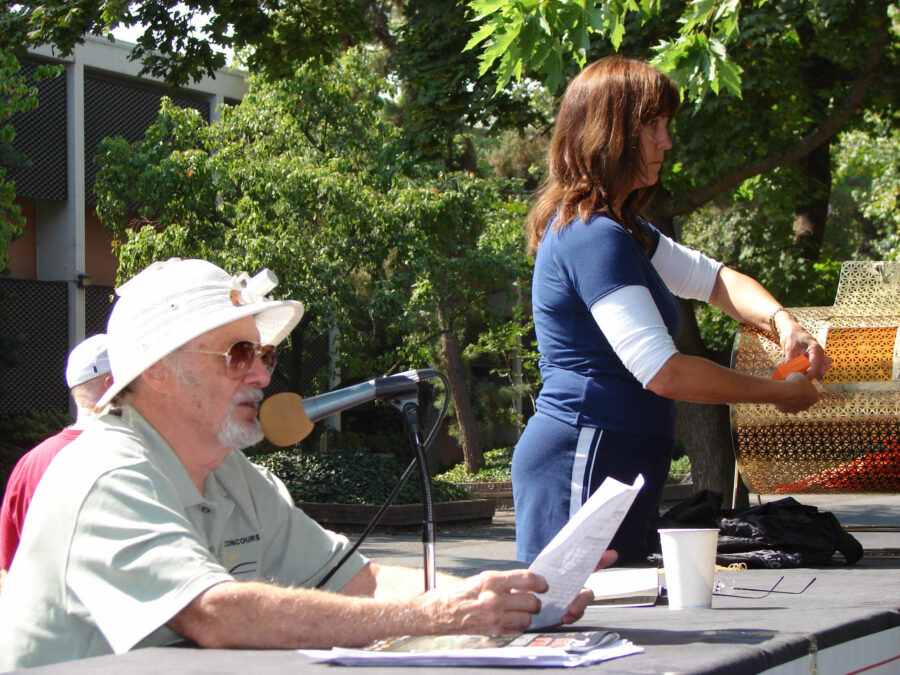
point(87, 375)
point(152, 527)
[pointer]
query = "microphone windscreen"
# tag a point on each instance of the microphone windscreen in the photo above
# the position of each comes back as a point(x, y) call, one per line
point(284, 420)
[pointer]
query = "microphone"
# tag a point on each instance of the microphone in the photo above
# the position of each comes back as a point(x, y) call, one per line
point(325, 405)
point(286, 419)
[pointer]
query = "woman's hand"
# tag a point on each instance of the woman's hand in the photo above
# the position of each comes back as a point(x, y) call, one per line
point(801, 394)
point(745, 300)
point(795, 340)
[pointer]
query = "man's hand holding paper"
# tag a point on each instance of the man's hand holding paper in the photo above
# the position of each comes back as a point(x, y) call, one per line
point(572, 555)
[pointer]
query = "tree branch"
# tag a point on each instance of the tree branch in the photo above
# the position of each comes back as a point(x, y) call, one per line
point(682, 204)
point(312, 141)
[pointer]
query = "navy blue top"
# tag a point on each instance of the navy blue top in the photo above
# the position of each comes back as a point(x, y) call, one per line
point(584, 382)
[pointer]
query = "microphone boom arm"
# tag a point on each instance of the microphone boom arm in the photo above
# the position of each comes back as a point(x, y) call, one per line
point(332, 402)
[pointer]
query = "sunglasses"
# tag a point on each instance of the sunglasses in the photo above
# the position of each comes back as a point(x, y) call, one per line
point(239, 357)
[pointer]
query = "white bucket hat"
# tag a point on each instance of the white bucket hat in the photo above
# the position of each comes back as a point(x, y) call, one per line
point(87, 360)
point(169, 303)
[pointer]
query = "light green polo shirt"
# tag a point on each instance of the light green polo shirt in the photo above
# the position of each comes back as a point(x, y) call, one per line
point(118, 540)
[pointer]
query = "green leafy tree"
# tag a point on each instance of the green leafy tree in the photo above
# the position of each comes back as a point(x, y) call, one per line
point(444, 101)
point(441, 104)
point(463, 254)
point(807, 68)
point(179, 40)
point(539, 37)
point(304, 177)
point(865, 208)
point(445, 111)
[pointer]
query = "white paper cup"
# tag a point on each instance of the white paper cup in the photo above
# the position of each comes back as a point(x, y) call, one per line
point(689, 558)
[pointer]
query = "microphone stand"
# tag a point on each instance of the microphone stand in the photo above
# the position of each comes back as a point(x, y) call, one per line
point(408, 405)
point(409, 410)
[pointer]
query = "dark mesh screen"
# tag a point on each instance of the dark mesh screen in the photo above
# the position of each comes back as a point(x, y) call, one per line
point(112, 107)
point(41, 138)
point(97, 306)
point(35, 315)
point(298, 366)
point(115, 107)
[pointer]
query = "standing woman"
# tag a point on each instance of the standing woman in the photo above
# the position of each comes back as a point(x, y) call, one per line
point(606, 316)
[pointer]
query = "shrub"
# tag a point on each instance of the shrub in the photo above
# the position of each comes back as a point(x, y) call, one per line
point(497, 463)
point(495, 469)
point(351, 476)
point(680, 466)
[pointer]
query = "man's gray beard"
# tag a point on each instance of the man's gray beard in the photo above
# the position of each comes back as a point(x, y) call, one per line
point(236, 434)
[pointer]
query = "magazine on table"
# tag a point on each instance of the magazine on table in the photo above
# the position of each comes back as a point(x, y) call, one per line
point(568, 649)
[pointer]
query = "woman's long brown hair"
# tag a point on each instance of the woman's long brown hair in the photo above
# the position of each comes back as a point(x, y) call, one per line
point(595, 155)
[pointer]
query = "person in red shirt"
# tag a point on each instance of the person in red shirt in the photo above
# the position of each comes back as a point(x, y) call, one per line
point(87, 375)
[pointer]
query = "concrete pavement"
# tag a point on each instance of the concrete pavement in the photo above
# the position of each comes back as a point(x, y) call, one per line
point(467, 549)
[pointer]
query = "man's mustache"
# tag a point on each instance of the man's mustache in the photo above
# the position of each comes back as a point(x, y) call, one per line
point(247, 396)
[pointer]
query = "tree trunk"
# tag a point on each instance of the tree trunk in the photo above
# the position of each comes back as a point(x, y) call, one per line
point(810, 216)
point(811, 212)
point(703, 429)
point(468, 428)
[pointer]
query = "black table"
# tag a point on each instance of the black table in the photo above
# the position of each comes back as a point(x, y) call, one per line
point(847, 621)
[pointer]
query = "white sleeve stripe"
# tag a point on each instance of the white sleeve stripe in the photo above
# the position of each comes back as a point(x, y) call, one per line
point(634, 328)
point(687, 273)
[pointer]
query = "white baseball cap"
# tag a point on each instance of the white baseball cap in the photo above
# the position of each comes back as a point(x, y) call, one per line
point(170, 303)
point(87, 360)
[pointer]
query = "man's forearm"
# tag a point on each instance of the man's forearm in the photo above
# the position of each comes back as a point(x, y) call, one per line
point(258, 615)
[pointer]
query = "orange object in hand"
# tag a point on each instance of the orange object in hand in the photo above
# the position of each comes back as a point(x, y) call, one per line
point(800, 364)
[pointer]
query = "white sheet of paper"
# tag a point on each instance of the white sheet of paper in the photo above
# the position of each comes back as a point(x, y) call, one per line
point(625, 587)
point(572, 555)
